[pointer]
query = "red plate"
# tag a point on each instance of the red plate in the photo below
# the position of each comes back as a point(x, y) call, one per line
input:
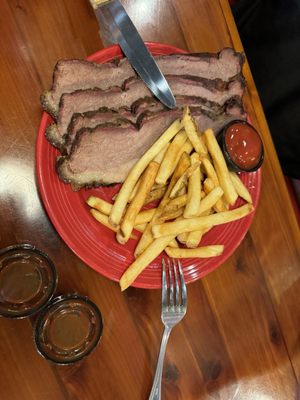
point(94, 243)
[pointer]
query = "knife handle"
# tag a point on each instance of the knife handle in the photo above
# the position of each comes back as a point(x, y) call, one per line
point(97, 3)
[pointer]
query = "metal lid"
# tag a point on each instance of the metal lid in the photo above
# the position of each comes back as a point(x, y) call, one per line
point(28, 280)
point(68, 329)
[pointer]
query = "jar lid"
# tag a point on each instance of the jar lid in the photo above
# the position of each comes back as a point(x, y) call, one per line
point(28, 280)
point(68, 329)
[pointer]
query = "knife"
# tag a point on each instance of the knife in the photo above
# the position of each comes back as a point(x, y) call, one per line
point(122, 31)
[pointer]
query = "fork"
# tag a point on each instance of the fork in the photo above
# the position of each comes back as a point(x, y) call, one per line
point(173, 310)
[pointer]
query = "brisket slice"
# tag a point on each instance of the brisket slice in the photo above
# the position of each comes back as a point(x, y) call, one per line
point(71, 75)
point(133, 89)
point(120, 145)
point(91, 119)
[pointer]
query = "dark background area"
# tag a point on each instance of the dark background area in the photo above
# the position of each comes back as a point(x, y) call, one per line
point(270, 33)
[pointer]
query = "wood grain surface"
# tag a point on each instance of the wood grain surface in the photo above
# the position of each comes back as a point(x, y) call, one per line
point(240, 338)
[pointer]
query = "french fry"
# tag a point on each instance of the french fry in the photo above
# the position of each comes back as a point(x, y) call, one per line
point(230, 193)
point(182, 191)
point(194, 189)
point(175, 204)
point(210, 171)
point(105, 208)
point(193, 239)
point(183, 237)
point(99, 204)
point(167, 164)
point(140, 227)
point(103, 219)
point(182, 181)
point(186, 148)
point(200, 252)
point(134, 192)
point(141, 262)
point(200, 223)
point(146, 182)
point(147, 237)
point(191, 131)
point(137, 170)
point(210, 200)
point(220, 205)
point(173, 243)
point(144, 216)
point(155, 194)
point(241, 189)
point(170, 215)
point(160, 156)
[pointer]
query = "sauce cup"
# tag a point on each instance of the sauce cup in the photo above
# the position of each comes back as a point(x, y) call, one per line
point(242, 146)
point(68, 329)
point(28, 280)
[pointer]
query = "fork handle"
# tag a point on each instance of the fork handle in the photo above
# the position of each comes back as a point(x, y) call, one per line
point(156, 387)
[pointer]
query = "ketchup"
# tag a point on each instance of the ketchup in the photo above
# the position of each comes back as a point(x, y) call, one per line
point(244, 145)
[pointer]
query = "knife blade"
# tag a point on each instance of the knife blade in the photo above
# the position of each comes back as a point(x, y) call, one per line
point(123, 32)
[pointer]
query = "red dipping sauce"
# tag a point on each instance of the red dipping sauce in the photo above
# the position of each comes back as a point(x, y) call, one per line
point(244, 146)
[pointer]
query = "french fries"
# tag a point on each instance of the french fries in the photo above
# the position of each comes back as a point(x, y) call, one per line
point(144, 259)
point(168, 163)
point(194, 238)
point(191, 131)
point(175, 204)
point(194, 189)
point(230, 193)
point(146, 182)
point(155, 194)
point(182, 181)
point(200, 252)
point(210, 200)
point(103, 219)
point(160, 156)
point(199, 223)
point(194, 193)
point(99, 204)
point(105, 208)
point(220, 205)
point(147, 237)
point(241, 189)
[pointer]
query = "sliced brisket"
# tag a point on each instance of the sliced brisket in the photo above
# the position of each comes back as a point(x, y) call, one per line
point(120, 144)
point(91, 119)
point(72, 75)
point(133, 89)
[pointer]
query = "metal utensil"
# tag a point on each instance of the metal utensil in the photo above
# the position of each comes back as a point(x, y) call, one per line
point(173, 310)
point(117, 22)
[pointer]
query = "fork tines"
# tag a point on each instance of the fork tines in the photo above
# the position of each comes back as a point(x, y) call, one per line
point(176, 284)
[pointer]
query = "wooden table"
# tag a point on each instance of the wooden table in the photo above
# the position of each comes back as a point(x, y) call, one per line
point(241, 336)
